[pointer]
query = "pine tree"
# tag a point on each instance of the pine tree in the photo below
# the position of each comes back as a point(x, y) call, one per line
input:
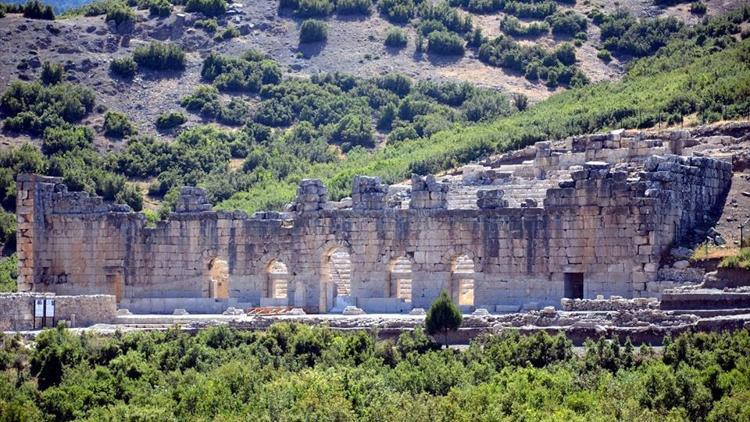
point(443, 316)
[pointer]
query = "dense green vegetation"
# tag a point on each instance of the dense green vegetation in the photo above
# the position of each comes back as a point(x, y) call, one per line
point(442, 317)
point(294, 372)
point(534, 62)
point(8, 273)
point(117, 125)
point(697, 75)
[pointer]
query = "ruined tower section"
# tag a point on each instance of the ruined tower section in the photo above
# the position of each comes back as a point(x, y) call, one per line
point(32, 190)
point(71, 242)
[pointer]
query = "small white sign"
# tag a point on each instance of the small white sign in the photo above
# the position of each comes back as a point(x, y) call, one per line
point(49, 311)
point(39, 308)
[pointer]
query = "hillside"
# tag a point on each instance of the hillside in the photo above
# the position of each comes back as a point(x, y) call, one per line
point(237, 104)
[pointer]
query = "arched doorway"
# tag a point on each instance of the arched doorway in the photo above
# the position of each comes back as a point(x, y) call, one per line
point(336, 286)
point(277, 279)
point(462, 281)
point(400, 279)
point(218, 279)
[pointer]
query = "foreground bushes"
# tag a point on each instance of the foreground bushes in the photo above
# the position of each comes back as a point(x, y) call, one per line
point(296, 372)
point(210, 8)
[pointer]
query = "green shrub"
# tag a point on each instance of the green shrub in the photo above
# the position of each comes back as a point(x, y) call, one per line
point(353, 130)
point(396, 38)
point(52, 73)
point(170, 120)
point(531, 10)
point(124, 67)
point(567, 23)
point(604, 55)
point(228, 33)
point(35, 9)
point(32, 107)
point(160, 56)
point(397, 11)
point(205, 99)
point(741, 260)
point(61, 140)
point(208, 25)
point(120, 13)
point(314, 8)
point(513, 27)
point(313, 31)
point(160, 8)
point(354, 7)
point(210, 8)
point(445, 43)
point(443, 316)
point(623, 34)
point(698, 8)
point(117, 125)
point(9, 269)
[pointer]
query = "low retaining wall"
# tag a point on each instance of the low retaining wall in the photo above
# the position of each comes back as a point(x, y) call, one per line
point(17, 310)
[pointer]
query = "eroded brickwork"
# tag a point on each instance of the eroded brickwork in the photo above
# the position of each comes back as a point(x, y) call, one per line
point(604, 224)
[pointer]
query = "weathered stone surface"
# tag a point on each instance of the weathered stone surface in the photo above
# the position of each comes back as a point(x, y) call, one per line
point(611, 223)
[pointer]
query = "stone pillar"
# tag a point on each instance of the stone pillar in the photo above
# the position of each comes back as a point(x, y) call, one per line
point(31, 191)
point(312, 195)
point(368, 193)
point(427, 193)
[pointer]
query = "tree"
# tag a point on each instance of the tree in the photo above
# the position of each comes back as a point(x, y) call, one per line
point(443, 316)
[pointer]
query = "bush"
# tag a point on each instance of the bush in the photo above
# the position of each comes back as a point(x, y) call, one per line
point(35, 9)
point(623, 34)
point(396, 38)
point(61, 140)
point(698, 8)
point(352, 7)
point(567, 23)
point(443, 316)
point(160, 56)
point(314, 8)
point(210, 8)
point(313, 31)
point(512, 26)
point(117, 125)
point(604, 56)
point(52, 73)
point(9, 271)
point(124, 67)
point(353, 130)
point(160, 8)
point(32, 107)
point(445, 43)
point(120, 13)
point(170, 120)
point(208, 25)
point(228, 33)
point(397, 11)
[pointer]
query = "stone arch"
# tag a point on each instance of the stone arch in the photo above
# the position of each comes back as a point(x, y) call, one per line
point(335, 282)
point(400, 278)
point(218, 279)
point(277, 279)
point(463, 276)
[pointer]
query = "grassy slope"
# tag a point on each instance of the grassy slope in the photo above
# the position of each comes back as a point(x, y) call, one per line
point(651, 84)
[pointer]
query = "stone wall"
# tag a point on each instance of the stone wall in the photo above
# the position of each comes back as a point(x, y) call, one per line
point(17, 310)
point(608, 226)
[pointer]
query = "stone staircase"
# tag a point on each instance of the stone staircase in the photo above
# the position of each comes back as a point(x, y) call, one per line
point(462, 196)
point(402, 274)
point(341, 272)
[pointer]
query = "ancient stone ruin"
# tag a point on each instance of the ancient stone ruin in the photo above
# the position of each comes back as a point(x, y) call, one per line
point(587, 216)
